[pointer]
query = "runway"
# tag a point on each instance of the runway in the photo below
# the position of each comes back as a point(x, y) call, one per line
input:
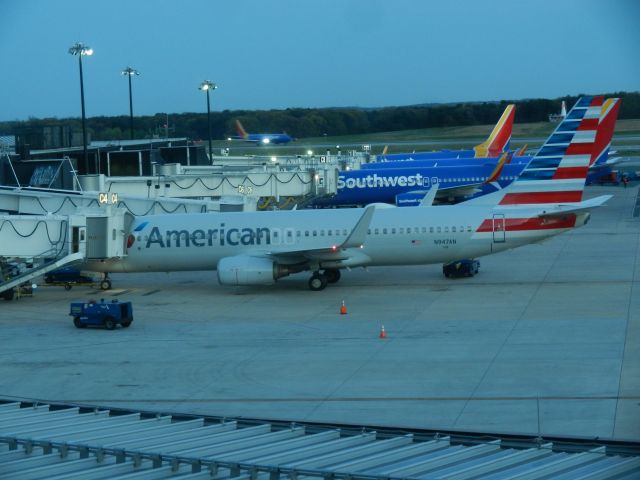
point(546, 339)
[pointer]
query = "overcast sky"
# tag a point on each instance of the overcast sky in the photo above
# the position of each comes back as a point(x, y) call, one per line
point(309, 53)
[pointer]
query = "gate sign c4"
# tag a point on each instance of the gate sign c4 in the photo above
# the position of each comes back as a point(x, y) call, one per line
point(105, 198)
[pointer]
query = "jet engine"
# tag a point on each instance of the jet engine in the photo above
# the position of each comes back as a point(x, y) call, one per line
point(248, 270)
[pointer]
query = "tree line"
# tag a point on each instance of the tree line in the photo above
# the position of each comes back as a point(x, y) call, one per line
point(316, 122)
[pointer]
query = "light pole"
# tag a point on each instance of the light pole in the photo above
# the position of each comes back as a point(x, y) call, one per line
point(130, 72)
point(80, 49)
point(206, 86)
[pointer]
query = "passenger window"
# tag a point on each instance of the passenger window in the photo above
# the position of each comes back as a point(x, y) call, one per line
point(329, 232)
point(315, 233)
point(439, 229)
point(393, 231)
point(297, 233)
point(424, 229)
point(453, 229)
point(344, 231)
point(430, 229)
point(401, 230)
point(446, 229)
point(376, 231)
point(468, 228)
point(289, 233)
point(368, 231)
point(384, 231)
point(306, 233)
point(322, 233)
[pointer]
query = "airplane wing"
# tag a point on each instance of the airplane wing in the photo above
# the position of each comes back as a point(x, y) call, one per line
point(428, 199)
point(347, 254)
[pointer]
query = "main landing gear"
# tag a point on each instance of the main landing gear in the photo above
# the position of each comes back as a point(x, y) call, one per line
point(319, 281)
point(105, 284)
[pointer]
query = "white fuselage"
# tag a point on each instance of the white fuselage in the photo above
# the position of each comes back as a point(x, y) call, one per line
point(396, 236)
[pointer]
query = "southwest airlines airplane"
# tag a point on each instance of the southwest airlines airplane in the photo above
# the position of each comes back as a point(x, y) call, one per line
point(257, 248)
point(406, 182)
point(497, 143)
point(260, 138)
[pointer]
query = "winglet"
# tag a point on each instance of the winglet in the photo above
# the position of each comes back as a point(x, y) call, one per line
point(359, 233)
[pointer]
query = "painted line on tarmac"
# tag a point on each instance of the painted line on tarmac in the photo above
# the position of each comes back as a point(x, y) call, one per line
point(351, 399)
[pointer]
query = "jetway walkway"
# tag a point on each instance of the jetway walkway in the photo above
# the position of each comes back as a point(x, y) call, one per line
point(176, 181)
point(38, 201)
point(32, 245)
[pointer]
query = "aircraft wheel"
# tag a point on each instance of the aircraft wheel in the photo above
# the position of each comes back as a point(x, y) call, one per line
point(332, 274)
point(67, 286)
point(317, 282)
point(109, 323)
point(105, 284)
point(77, 322)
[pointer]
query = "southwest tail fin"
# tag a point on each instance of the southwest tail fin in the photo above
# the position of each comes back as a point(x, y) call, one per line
point(606, 126)
point(521, 151)
point(240, 129)
point(500, 137)
point(504, 159)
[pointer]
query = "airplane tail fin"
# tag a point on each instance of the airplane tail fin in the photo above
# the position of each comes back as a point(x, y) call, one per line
point(606, 126)
point(504, 159)
point(240, 129)
point(521, 151)
point(500, 137)
point(557, 172)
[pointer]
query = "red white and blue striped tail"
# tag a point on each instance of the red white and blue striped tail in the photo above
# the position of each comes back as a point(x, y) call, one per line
point(557, 173)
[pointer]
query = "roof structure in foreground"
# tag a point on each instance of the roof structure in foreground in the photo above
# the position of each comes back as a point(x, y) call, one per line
point(71, 442)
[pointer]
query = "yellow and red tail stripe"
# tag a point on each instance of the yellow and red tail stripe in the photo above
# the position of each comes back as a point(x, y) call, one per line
point(500, 136)
point(606, 127)
point(240, 129)
point(504, 159)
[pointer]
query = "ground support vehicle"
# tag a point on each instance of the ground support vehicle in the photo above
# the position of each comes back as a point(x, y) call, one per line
point(461, 268)
point(70, 276)
point(102, 314)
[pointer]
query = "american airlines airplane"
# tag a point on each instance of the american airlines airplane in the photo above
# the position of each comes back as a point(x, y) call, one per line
point(257, 248)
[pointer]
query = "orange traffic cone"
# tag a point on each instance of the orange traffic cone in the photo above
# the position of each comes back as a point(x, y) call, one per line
point(383, 334)
point(343, 309)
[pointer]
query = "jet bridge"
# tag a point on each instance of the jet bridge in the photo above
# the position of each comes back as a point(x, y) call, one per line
point(38, 201)
point(41, 243)
point(176, 181)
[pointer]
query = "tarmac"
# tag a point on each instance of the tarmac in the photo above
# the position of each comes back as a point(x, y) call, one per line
point(544, 340)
